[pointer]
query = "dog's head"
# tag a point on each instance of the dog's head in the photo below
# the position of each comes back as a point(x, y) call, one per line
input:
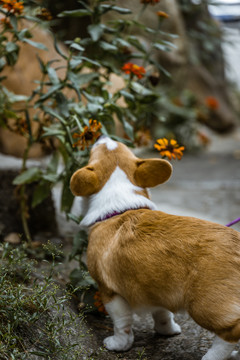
point(106, 156)
point(115, 181)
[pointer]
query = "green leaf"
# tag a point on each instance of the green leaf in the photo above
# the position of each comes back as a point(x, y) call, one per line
point(54, 114)
point(75, 13)
point(86, 78)
point(76, 219)
point(39, 353)
point(74, 62)
point(90, 61)
point(41, 192)
point(53, 178)
point(67, 197)
point(128, 128)
point(122, 42)
point(11, 46)
point(62, 104)
point(12, 98)
point(169, 43)
point(81, 278)
point(28, 176)
point(35, 44)
point(53, 76)
point(161, 47)
point(94, 99)
point(95, 31)
point(108, 47)
point(11, 58)
point(58, 49)
point(127, 95)
point(50, 92)
point(121, 10)
point(53, 131)
point(94, 108)
point(106, 7)
point(80, 242)
point(140, 89)
point(133, 40)
point(81, 79)
point(77, 46)
point(126, 125)
point(23, 33)
point(13, 21)
point(2, 63)
point(43, 67)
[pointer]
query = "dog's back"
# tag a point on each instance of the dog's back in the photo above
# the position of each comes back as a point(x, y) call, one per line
point(154, 259)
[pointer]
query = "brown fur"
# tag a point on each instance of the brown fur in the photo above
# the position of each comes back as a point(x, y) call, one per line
point(153, 259)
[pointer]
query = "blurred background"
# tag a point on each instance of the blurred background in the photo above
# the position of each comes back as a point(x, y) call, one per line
point(199, 103)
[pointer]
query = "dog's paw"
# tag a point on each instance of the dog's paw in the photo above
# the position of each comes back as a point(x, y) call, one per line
point(214, 356)
point(118, 342)
point(234, 356)
point(168, 328)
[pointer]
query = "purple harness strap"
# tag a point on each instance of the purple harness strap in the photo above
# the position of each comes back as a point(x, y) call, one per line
point(233, 222)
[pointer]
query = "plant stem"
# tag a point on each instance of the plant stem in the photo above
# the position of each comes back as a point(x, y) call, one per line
point(23, 198)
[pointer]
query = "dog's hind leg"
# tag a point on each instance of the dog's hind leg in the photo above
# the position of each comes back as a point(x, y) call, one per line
point(164, 322)
point(121, 314)
point(220, 350)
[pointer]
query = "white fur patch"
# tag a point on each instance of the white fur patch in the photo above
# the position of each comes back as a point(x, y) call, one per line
point(111, 144)
point(121, 314)
point(117, 195)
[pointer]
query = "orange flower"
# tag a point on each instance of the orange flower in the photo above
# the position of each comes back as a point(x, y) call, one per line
point(169, 149)
point(88, 136)
point(130, 68)
point(98, 303)
point(162, 14)
point(152, 2)
point(12, 6)
point(212, 103)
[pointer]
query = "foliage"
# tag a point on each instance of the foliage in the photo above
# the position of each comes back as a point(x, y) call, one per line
point(66, 103)
point(25, 303)
point(203, 31)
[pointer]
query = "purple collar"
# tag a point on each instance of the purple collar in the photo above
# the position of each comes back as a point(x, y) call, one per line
point(115, 213)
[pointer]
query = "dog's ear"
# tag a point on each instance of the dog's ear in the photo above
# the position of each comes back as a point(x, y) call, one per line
point(84, 182)
point(152, 172)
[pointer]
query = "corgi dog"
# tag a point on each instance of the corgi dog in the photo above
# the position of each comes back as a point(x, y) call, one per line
point(144, 259)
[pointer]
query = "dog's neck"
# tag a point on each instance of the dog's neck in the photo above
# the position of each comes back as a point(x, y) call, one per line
point(117, 196)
